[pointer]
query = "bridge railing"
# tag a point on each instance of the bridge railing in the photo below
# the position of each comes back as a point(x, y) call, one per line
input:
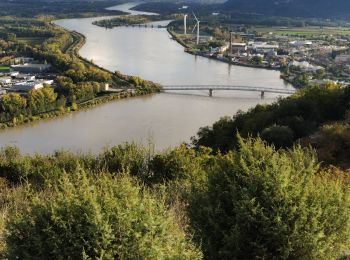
point(211, 88)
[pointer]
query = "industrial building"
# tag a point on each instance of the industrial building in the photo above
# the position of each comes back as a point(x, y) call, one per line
point(31, 68)
point(305, 66)
point(30, 85)
point(264, 48)
point(237, 47)
point(21, 60)
point(21, 76)
point(205, 38)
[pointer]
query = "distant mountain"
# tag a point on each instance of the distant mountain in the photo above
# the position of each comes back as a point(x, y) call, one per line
point(302, 8)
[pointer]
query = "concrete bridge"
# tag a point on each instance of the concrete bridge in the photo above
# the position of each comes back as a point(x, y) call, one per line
point(212, 88)
point(145, 25)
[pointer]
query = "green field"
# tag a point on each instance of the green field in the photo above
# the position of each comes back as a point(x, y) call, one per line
point(4, 68)
point(306, 31)
point(31, 40)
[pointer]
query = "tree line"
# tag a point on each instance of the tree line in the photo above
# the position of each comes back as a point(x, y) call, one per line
point(282, 122)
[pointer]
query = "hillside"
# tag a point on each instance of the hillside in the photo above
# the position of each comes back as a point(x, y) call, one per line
point(303, 8)
point(61, 9)
point(337, 9)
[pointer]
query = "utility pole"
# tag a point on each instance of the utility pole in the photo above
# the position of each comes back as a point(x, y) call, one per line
point(198, 33)
point(231, 38)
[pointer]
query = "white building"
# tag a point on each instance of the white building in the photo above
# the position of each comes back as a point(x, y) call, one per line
point(30, 85)
point(224, 47)
point(21, 76)
point(264, 48)
point(301, 43)
point(220, 49)
point(304, 65)
point(238, 47)
point(105, 86)
point(205, 39)
point(5, 80)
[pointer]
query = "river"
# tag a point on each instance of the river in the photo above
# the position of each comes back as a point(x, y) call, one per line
point(166, 119)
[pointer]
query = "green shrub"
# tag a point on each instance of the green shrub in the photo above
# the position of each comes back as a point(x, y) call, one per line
point(260, 203)
point(128, 157)
point(280, 136)
point(17, 168)
point(40, 169)
point(180, 163)
point(10, 198)
point(332, 143)
point(100, 218)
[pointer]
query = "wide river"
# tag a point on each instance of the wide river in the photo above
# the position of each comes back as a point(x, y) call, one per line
point(165, 119)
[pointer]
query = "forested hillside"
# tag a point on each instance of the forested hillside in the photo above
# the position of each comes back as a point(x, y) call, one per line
point(303, 8)
point(304, 117)
point(65, 8)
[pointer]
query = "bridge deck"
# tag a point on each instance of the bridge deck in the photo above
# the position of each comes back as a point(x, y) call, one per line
point(227, 87)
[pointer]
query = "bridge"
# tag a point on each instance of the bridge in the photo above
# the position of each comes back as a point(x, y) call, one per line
point(145, 25)
point(212, 88)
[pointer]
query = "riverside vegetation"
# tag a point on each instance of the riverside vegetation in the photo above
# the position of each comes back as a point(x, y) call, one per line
point(283, 122)
point(249, 200)
point(131, 20)
point(59, 9)
point(79, 81)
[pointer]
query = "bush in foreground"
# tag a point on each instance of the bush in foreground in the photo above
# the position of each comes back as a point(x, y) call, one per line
point(260, 203)
point(100, 218)
point(280, 136)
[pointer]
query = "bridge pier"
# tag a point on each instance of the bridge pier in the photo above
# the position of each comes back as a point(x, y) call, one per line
point(211, 88)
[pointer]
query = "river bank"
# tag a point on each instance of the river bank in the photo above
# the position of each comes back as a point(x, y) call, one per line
point(119, 80)
point(89, 104)
point(191, 51)
point(165, 119)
